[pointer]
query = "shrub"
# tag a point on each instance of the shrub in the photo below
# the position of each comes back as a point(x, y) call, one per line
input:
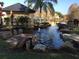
point(22, 20)
point(7, 21)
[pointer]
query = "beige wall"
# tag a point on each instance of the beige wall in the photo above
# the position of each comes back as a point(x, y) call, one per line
point(16, 15)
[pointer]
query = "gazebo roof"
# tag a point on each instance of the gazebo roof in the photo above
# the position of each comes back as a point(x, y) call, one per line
point(18, 8)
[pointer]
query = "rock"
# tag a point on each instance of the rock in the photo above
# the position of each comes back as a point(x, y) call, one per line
point(5, 34)
point(69, 44)
point(40, 47)
point(19, 40)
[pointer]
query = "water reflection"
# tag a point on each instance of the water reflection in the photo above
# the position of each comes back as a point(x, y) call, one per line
point(50, 37)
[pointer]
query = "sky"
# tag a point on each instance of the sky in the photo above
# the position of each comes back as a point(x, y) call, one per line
point(62, 5)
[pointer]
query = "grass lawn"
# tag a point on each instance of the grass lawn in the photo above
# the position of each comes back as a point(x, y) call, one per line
point(6, 53)
point(76, 30)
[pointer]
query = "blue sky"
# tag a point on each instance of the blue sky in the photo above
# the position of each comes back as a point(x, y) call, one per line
point(62, 5)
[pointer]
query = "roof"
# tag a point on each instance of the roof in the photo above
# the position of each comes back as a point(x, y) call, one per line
point(18, 8)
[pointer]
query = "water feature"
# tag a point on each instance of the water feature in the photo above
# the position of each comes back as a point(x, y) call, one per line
point(50, 37)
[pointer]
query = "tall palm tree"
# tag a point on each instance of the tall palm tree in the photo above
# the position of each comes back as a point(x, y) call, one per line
point(42, 4)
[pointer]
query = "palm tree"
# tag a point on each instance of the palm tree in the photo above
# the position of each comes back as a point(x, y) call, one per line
point(42, 4)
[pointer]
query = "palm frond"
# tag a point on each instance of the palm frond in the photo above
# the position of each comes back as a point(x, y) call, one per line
point(37, 4)
point(51, 9)
point(25, 1)
point(55, 1)
point(30, 1)
point(45, 7)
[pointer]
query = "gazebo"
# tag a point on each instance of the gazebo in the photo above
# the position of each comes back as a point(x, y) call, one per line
point(18, 9)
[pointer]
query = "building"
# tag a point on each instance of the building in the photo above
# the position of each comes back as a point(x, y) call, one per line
point(66, 18)
point(18, 10)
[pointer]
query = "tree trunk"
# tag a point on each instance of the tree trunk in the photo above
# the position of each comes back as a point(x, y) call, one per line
point(40, 10)
point(1, 21)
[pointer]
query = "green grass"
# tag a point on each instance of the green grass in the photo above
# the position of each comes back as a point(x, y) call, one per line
point(6, 53)
point(75, 30)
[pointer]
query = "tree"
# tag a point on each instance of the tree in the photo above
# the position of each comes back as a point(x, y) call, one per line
point(42, 4)
point(74, 14)
point(74, 11)
point(60, 14)
point(1, 5)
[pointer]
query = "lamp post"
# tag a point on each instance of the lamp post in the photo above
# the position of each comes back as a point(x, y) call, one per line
point(11, 17)
point(11, 21)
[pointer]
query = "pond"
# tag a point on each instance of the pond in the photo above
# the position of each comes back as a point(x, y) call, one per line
point(50, 37)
